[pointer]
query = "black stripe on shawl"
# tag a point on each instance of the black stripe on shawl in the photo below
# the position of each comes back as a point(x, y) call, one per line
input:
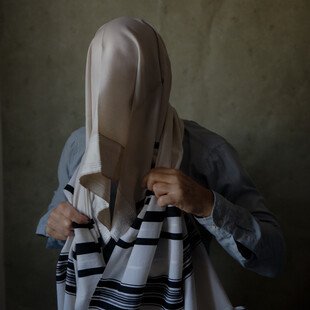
point(61, 268)
point(71, 290)
point(162, 302)
point(69, 188)
point(108, 249)
point(87, 248)
point(154, 216)
point(74, 254)
point(159, 216)
point(125, 245)
point(159, 291)
point(70, 265)
point(190, 241)
point(61, 273)
point(70, 287)
point(164, 280)
point(147, 241)
point(173, 212)
point(63, 257)
point(139, 241)
point(149, 193)
point(136, 223)
point(89, 225)
point(147, 201)
point(90, 271)
point(120, 287)
point(109, 302)
point(172, 236)
point(188, 270)
point(140, 205)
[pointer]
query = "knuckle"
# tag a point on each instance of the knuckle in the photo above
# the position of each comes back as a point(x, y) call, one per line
point(71, 213)
point(53, 213)
point(175, 178)
point(156, 187)
point(67, 223)
point(151, 176)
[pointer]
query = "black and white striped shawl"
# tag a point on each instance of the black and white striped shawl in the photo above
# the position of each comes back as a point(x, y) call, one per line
point(159, 263)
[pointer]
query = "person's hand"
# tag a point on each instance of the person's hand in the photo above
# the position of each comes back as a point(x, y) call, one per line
point(59, 223)
point(172, 187)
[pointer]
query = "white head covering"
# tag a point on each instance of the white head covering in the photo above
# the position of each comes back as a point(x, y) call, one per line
point(128, 81)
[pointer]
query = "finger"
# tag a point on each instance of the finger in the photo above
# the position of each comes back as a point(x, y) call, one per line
point(165, 200)
point(73, 214)
point(62, 226)
point(158, 177)
point(59, 219)
point(54, 234)
point(161, 189)
point(158, 170)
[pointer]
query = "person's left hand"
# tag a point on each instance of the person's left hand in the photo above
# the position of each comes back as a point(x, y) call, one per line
point(172, 187)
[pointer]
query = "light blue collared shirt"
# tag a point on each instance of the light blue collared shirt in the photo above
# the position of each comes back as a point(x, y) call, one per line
point(240, 221)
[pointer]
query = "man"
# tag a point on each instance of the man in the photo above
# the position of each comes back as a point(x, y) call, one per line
point(142, 187)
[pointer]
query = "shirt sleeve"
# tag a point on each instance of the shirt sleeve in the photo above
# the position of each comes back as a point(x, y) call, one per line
point(240, 221)
point(69, 160)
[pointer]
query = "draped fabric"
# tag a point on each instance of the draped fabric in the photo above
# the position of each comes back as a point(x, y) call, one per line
point(128, 81)
point(147, 257)
point(159, 263)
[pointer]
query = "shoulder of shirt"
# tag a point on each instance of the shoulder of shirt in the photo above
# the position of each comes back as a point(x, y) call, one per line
point(76, 141)
point(78, 135)
point(206, 139)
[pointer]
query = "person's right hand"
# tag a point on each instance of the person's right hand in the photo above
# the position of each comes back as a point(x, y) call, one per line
point(59, 223)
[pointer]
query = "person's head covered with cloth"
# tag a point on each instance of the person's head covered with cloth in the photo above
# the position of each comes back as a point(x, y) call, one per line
point(128, 115)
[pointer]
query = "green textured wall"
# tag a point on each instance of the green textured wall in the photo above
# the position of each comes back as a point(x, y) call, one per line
point(240, 68)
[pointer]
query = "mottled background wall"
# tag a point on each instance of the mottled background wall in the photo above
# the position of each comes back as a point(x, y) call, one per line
point(240, 68)
point(2, 288)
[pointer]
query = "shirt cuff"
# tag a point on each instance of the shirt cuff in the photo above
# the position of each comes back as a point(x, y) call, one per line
point(51, 243)
point(208, 221)
point(42, 224)
point(231, 222)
